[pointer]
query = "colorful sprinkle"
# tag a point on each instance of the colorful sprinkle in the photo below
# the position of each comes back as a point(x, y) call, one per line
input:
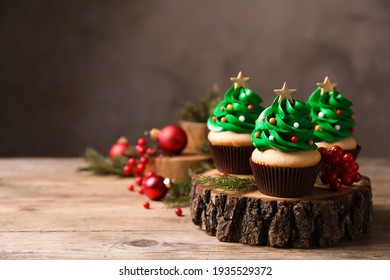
point(250, 107)
point(337, 127)
point(229, 107)
point(222, 108)
point(296, 125)
point(317, 127)
point(321, 114)
point(339, 112)
point(263, 118)
point(257, 134)
point(241, 118)
point(353, 116)
point(271, 138)
point(309, 118)
point(310, 142)
point(272, 121)
point(214, 118)
point(223, 119)
point(294, 139)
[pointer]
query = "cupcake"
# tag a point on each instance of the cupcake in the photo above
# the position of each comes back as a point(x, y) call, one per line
point(333, 118)
point(286, 161)
point(231, 125)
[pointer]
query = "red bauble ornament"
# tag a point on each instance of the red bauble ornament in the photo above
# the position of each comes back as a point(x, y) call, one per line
point(154, 187)
point(119, 148)
point(171, 138)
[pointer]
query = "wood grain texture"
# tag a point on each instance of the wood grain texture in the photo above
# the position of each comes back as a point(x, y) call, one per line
point(49, 210)
point(320, 219)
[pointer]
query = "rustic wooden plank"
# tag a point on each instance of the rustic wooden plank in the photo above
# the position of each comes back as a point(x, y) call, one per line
point(48, 210)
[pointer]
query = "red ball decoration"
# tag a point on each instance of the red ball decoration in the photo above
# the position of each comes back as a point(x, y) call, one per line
point(154, 187)
point(119, 148)
point(171, 138)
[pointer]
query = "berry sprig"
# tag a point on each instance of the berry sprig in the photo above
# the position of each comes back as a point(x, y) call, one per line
point(338, 168)
point(136, 166)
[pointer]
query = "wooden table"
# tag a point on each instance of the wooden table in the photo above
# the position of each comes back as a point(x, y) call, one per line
point(49, 210)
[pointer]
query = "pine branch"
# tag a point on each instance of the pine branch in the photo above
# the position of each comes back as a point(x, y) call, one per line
point(178, 194)
point(101, 165)
point(201, 110)
point(227, 183)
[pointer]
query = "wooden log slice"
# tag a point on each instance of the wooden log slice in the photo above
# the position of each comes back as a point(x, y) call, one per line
point(320, 219)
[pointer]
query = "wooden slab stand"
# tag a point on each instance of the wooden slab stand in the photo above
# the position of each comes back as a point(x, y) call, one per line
point(321, 219)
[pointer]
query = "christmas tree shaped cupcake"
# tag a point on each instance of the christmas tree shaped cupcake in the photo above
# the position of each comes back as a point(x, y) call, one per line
point(333, 118)
point(231, 125)
point(286, 161)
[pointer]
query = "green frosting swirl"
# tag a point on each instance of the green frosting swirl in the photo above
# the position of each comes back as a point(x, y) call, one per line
point(291, 131)
point(237, 112)
point(332, 115)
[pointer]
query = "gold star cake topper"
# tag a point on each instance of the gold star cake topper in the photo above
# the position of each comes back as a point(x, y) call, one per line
point(285, 92)
point(240, 81)
point(326, 86)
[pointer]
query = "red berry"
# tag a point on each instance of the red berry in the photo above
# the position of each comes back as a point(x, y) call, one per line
point(141, 150)
point(346, 165)
point(336, 150)
point(325, 178)
point(333, 176)
point(131, 188)
point(336, 159)
point(178, 211)
point(356, 176)
point(127, 170)
point(149, 174)
point(294, 139)
point(146, 205)
point(347, 179)
point(143, 160)
point(339, 112)
point(141, 191)
point(139, 180)
point(132, 161)
point(348, 157)
point(354, 166)
point(140, 167)
point(335, 185)
point(323, 152)
point(149, 151)
point(141, 141)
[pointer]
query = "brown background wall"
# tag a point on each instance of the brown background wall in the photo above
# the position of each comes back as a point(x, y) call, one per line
point(82, 73)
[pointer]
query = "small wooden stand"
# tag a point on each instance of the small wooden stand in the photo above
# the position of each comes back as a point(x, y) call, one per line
point(321, 219)
point(176, 167)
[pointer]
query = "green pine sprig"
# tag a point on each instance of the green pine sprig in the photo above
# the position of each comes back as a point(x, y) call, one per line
point(227, 183)
point(102, 165)
point(201, 110)
point(179, 193)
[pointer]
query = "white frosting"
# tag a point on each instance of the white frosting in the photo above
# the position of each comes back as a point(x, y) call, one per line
point(229, 138)
point(278, 158)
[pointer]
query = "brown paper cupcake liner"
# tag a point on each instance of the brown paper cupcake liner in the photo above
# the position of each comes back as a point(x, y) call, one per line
point(234, 160)
point(284, 181)
point(355, 151)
